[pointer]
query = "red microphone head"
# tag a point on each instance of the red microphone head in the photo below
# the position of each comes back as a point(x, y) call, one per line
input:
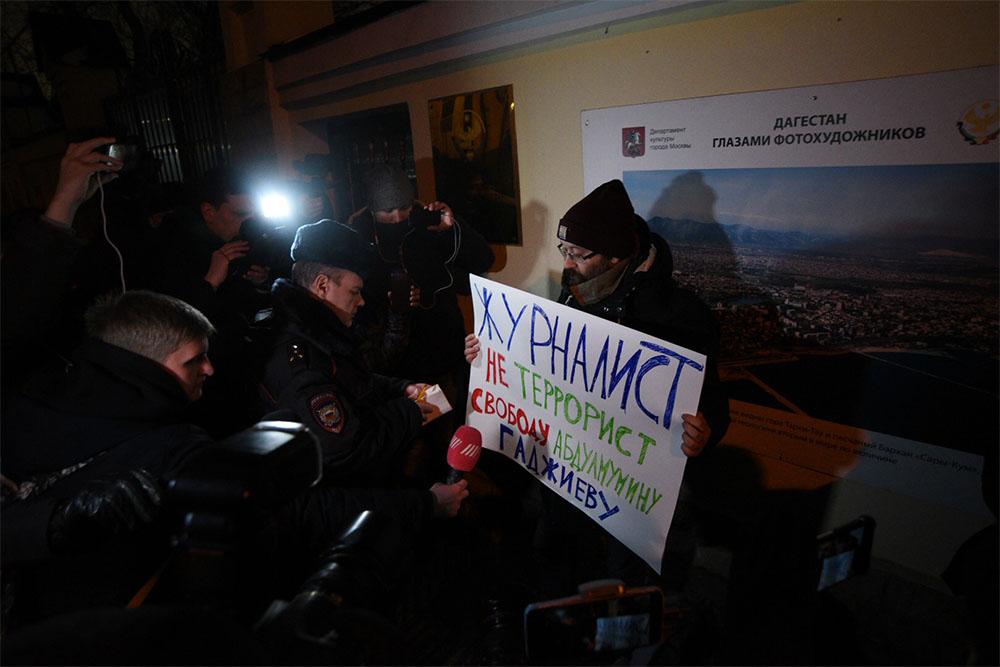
point(464, 449)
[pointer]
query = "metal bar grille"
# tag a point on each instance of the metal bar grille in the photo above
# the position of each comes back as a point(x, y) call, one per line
point(180, 123)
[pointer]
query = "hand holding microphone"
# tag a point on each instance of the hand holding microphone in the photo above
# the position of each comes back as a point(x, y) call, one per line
point(463, 452)
point(448, 497)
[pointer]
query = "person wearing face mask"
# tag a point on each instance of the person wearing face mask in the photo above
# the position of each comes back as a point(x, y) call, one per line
point(427, 250)
point(433, 251)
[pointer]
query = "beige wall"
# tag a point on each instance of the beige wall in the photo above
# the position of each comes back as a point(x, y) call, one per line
point(785, 46)
point(780, 46)
point(250, 29)
point(776, 47)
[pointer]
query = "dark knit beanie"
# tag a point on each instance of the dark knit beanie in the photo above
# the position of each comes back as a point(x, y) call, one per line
point(388, 188)
point(334, 244)
point(603, 222)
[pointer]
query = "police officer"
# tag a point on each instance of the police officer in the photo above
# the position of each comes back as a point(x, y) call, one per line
point(366, 422)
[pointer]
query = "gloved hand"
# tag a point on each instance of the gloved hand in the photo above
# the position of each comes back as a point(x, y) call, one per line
point(104, 508)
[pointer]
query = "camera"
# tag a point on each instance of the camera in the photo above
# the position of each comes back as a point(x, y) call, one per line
point(421, 217)
point(603, 623)
point(268, 246)
point(264, 466)
point(220, 486)
point(222, 496)
point(126, 152)
point(340, 614)
point(844, 552)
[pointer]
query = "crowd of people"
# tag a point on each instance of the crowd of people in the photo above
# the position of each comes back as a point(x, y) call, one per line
point(116, 380)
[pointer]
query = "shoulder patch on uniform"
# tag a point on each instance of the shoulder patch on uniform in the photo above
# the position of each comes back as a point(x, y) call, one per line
point(327, 412)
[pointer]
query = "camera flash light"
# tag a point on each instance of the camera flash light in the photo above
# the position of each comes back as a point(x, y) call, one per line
point(275, 206)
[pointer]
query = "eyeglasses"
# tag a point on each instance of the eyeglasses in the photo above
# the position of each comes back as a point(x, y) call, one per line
point(572, 256)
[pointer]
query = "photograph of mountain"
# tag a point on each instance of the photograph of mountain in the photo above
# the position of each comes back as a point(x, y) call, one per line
point(856, 295)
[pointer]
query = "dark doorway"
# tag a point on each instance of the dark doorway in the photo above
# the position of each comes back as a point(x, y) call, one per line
point(363, 139)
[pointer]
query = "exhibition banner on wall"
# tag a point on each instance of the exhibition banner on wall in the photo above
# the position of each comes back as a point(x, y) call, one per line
point(591, 408)
point(846, 237)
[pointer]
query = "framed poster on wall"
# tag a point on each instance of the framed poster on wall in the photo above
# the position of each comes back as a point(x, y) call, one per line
point(475, 160)
point(846, 237)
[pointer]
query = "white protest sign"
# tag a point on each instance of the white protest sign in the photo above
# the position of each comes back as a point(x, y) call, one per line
point(591, 408)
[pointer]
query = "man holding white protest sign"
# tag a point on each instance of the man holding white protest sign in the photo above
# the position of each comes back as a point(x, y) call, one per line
point(605, 415)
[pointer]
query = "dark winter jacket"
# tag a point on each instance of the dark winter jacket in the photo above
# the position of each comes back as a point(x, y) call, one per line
point(439, 263)
point(186, 255)
point(648, 299)
point(38, 289)
point(226, 406)
point(104, 413)
point(316, 369)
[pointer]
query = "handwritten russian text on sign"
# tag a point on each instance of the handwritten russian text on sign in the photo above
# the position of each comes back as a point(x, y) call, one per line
point(591, 408)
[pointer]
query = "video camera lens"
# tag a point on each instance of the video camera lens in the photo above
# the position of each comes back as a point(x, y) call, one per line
point(341, 611)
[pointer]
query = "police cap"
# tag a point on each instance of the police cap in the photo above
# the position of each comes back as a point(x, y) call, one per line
point(333, 244)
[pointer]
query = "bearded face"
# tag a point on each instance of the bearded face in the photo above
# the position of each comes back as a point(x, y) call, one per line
point(591, 268)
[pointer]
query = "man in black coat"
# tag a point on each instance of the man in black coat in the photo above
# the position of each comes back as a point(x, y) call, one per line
point(87, 446)
point(616, 269)
point(203, 249)
point(43, 300)
point(427, 250)
point(366, 422)
point(207, 261)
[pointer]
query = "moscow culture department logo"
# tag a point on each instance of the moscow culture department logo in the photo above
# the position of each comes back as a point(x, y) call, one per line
point(979, 123)
point(633, 141)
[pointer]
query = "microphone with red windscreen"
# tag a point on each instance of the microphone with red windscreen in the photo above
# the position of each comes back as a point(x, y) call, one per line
point(463, 452)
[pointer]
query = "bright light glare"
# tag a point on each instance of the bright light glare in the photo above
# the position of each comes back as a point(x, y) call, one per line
point(275, 206)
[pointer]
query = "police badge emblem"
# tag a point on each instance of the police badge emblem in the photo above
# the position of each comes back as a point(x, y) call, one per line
point(327, 412)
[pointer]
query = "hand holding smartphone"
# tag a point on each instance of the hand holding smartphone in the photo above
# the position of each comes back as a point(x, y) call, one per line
point(126, 152)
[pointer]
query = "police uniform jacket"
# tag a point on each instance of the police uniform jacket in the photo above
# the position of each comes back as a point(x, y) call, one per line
point(316, 369)
point(648, 299)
